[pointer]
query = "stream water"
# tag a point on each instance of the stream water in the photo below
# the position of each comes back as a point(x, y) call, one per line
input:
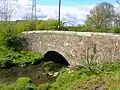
point(34, 72)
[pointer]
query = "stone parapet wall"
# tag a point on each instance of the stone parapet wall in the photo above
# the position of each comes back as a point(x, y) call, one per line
point(77, 47)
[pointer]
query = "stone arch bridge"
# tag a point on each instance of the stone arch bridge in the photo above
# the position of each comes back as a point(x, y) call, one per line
point(76, 47)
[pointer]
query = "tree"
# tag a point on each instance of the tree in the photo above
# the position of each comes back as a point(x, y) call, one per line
point(117, 18)
point(7, 8)
point(101, 16)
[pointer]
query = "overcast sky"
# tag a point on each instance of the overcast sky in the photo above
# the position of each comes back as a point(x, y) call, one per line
point(73, 12)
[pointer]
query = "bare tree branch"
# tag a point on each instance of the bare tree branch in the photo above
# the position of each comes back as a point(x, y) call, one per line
point(101, 16)
point(7, 9)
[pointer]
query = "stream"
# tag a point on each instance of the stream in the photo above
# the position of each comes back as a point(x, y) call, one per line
point(35, 73)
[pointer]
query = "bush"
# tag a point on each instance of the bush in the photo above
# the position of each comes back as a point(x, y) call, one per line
point(12, 44)
point(74, 28)
point(25, 58)
point(50, 24)
point(16, 43)
point(116, 29)
point(26, 26)
point(23, 80)
point(45, 86)
point(24, 83)
point(92, 29)
point(9, 58)
point(6, 63)
point(5, 59)
point(6, 87)
point(12, 38)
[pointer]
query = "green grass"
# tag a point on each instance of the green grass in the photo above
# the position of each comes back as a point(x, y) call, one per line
point(23, 83)
point(102, 77)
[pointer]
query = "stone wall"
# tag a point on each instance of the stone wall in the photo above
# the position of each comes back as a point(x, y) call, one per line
point(77, 47)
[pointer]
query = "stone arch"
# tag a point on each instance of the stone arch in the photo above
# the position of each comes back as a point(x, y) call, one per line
point(56, 57)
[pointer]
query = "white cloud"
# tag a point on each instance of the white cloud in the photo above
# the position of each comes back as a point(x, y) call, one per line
point(24, 2)
point(70, 14)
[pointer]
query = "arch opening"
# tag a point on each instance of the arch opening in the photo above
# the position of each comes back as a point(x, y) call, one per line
point(55, 57)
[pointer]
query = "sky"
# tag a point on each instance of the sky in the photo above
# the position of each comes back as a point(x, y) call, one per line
point(72, 2)
point(73, 12)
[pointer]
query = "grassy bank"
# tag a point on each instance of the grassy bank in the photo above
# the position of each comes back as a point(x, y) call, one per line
point(101, 77)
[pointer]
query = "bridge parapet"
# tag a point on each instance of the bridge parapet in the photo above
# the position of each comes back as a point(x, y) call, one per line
point(77, 47)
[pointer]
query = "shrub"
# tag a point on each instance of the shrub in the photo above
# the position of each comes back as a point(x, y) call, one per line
point(5, 57)
point(6, 87)
point(74, 28)
point(11, 48)
point(25, 58)
point(45, 86)
point(23, 80)
point(116, 29)
point(9, 58)
point(17, 43)
point(50, 24)
point(6, 63)
point(12, 38)
point(26, 26)
point(91, 29)
point(24, 83)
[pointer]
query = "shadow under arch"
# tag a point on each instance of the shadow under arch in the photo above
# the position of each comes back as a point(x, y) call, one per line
point(55, 57)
